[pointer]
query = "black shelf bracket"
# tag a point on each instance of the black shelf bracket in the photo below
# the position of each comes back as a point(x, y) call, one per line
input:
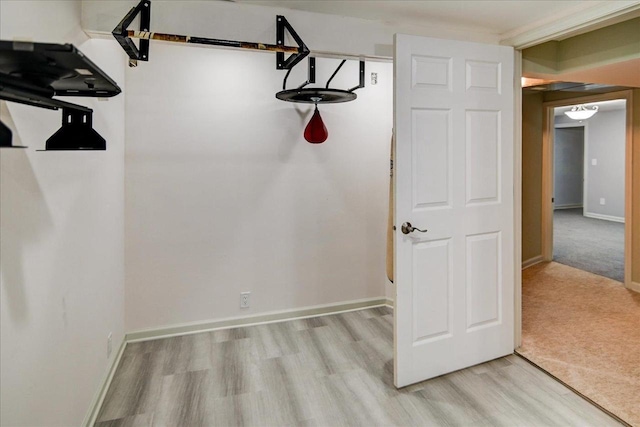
point(76, 133)
point(121, 33)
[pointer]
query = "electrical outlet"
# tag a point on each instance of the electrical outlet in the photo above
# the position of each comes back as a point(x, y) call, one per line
point(244, 299)
point(594, 162)
point(109, 344)
point(374, 78)
point(602, 200)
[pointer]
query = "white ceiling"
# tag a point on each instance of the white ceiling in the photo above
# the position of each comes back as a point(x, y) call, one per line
point(501, 18)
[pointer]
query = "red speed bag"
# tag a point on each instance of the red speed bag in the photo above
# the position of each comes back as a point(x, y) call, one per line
point(316, 131)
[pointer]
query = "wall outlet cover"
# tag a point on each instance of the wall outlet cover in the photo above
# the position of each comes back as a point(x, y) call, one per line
point(602, 201)
point(594, 162)
point(245, 299)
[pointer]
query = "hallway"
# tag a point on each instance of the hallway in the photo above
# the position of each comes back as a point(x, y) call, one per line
point(589, 244)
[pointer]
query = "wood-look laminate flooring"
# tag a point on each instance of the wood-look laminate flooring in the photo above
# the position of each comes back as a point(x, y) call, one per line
point(331, 370)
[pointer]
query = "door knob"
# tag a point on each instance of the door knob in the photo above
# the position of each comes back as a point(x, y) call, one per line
point(408, 228)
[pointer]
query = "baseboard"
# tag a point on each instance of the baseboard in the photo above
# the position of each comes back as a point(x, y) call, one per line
point(634, 286)
point(532, 261)
point(558, 208)
point(269, 317)
point(96, 403)
point(389, 303)
point(605, 217)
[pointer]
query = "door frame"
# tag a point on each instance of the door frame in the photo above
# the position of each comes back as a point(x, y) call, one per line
point(585, 152)
point(547, 171)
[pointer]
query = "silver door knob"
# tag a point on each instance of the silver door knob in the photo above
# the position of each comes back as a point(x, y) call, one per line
point(408, 228)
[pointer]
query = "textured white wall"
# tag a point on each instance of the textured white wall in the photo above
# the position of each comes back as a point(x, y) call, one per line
point(61, 253)
point(224, 195)
point(606, 144)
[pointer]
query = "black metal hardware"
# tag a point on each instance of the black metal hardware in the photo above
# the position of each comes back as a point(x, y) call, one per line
point(335, 72)
point(121, 34)
point(286, 64)
point(361, 85)
point(125, 36)
point(324, 95)
point(311, 74)
point(408, 228)
point(5, 137)
point(76, 132)
point(33, 73)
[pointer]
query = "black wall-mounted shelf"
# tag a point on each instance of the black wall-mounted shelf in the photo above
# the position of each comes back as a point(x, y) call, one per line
point(33, 73)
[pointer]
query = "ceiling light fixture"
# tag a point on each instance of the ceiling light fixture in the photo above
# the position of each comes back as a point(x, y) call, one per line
point(580, 112)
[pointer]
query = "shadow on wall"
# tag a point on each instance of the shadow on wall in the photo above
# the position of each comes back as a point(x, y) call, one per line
point(24, 217)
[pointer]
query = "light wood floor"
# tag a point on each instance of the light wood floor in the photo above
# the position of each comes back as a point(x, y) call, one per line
point(327, 371)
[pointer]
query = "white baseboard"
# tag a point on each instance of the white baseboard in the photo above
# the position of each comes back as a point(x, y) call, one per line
point(389, 303)
point(634, 286)
point(532, 261)
point(96, 403)
point(269, 317)
point(560, 207)
point(605, 217)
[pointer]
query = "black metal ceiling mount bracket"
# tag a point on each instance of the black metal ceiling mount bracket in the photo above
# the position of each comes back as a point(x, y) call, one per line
point(311, 74)
point(125, 37)
point(361, 84)
point(319, 95)
point(361, 76)
point(121, 33)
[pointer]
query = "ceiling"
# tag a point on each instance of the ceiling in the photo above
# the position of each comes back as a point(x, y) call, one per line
point(501, 18)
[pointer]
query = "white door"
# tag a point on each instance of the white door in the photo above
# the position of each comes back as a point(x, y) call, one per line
point(454, 121)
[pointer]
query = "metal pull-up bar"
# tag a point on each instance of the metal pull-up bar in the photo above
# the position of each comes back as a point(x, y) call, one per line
point(145, 35)
point(125, 36)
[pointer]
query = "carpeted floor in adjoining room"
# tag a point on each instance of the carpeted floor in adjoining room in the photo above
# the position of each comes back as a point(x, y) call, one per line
point(585, 330)
point(589, 244)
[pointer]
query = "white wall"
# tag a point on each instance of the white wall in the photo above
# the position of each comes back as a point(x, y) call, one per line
point(605, 143)
point(224, 195)
point(61, 264)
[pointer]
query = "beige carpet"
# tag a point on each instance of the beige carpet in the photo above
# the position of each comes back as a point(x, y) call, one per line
point(585, 330)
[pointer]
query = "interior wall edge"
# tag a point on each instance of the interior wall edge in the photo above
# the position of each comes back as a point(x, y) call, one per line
point(633, 111)
point(105, 382)
point(270, 317)
point(532, 261)
point(607, 13)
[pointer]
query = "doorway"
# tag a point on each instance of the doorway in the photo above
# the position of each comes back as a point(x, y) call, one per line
point(589, 189)
point(596, 203)
point(579, 324)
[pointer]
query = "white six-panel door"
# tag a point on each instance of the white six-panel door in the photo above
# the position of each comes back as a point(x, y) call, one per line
point(454, 176)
